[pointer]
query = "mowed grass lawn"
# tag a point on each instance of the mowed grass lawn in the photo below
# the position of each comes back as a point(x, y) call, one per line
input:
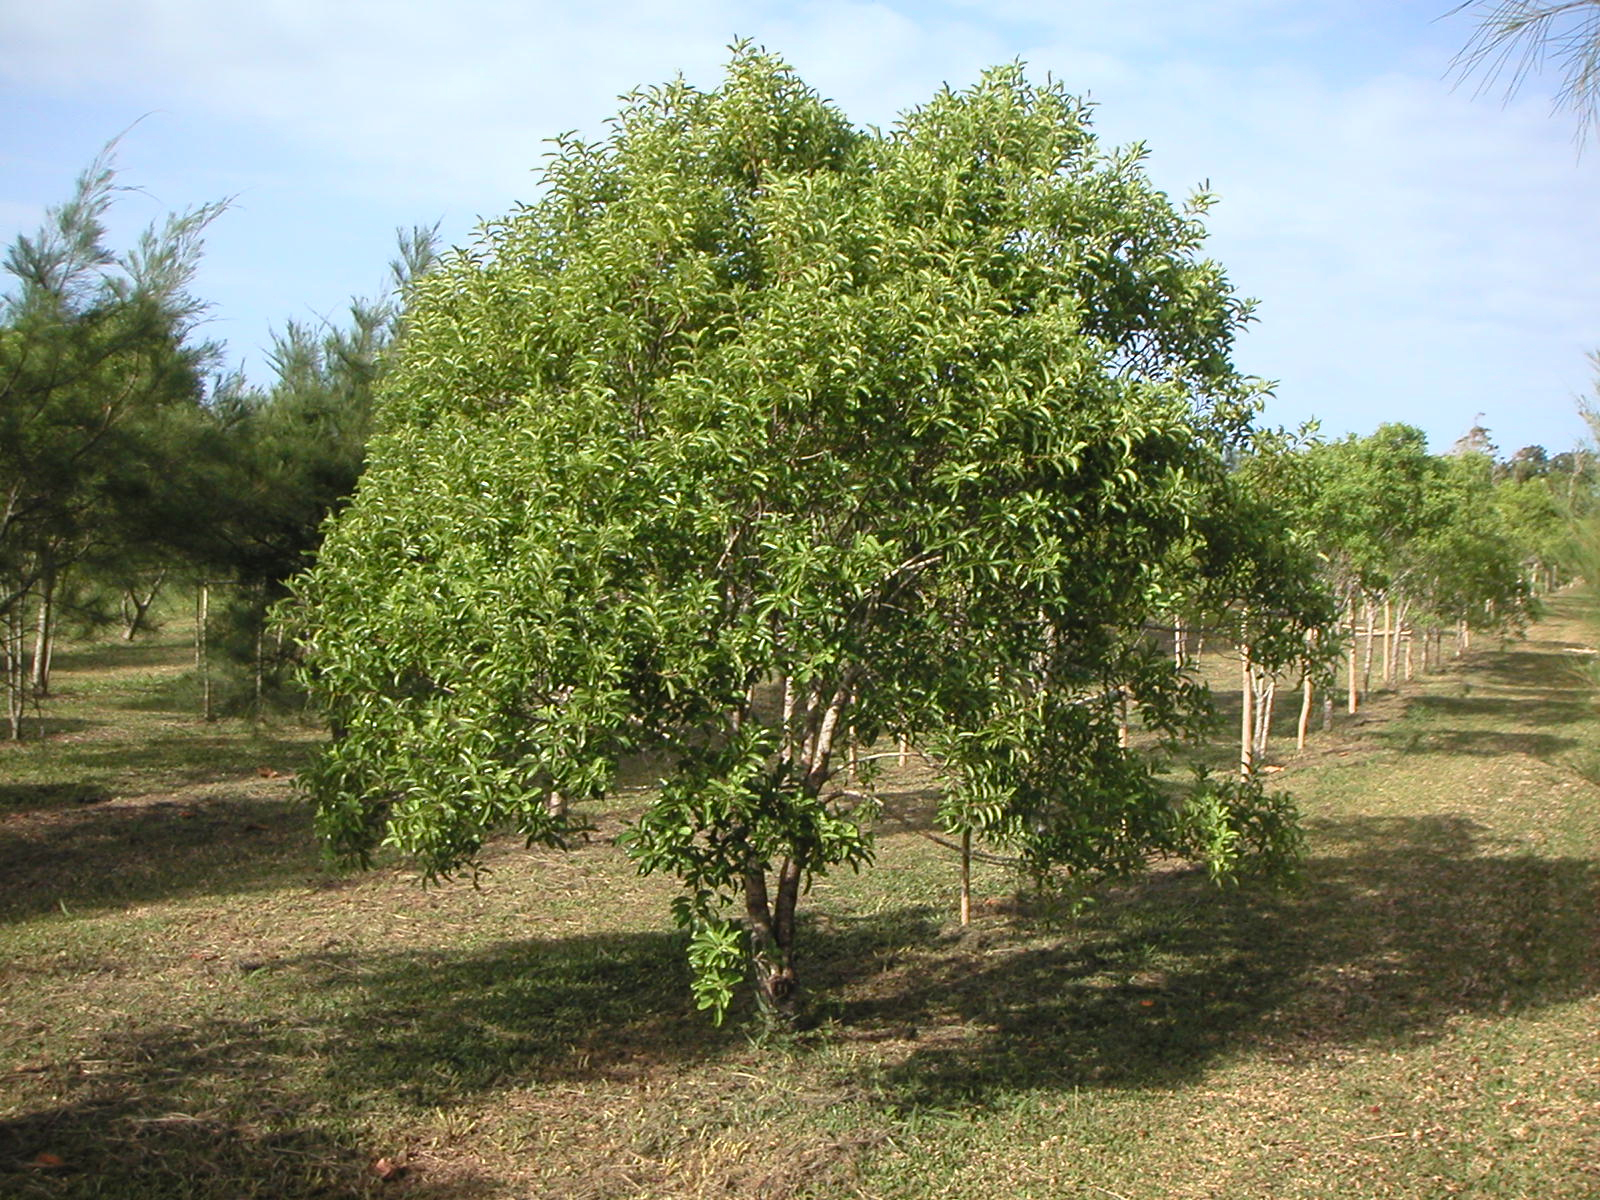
point(193, 1005)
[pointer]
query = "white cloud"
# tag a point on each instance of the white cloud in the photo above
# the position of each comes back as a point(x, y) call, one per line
point(1415, 251)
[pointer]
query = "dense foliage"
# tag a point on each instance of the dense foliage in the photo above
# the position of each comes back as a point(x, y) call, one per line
point(759, 436)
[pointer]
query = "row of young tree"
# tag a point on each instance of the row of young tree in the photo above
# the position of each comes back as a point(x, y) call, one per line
point(128, 462)
point(758, 443)
point(1413, 549)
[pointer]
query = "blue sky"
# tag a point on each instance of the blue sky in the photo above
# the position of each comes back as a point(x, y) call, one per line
point(1420, 252)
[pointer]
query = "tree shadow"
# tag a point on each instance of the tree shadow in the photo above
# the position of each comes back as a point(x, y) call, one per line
point(116, 654)
point(84, 852)
point(142, 1133)
point(45, 725)
point(1556, 708)
point(909, 810)
point(1483, 743)
point(436, 1026)
point(45, 797)
point(191, 755)
point(265, 1107)
point(1556, 671)
point(1402, 925)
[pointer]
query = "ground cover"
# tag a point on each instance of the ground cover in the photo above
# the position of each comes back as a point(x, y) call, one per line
point(193, 1005)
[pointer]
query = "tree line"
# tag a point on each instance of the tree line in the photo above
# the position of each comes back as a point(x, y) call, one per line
point(130, 460)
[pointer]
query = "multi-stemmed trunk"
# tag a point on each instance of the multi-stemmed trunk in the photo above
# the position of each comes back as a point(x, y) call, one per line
point(136, 605)
point(770, 916)
point(812, 723)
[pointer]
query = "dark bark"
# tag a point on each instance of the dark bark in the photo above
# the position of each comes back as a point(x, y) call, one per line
point(771, 925)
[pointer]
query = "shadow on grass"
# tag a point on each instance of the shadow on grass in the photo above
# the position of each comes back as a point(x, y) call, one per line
point(43, 797)
point(437, 1027)
point(1483, 743)
point(131, 1145)
point(282, 1106)
point(117, 655)
point(1555, 707)
point(189, 755)
point(1402, 925)
point(1523, 666)
point(35, 727)
point(92, 855)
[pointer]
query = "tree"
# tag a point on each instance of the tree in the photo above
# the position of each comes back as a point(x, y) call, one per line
point(1292, 600)
point(98, 362)
point(1515, 38)
point(758, 436)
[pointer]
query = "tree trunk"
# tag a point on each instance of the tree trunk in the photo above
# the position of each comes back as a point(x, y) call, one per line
point(202, 655)
point(135, 609)
point(1352, 695)
point(44, 635)
point(16, 678)
point(771, 924)
point(1366, 658)
point(966, 877)
point(1389, 642)
point(1266, 695)
point(1305, 713)
point(811, 725)
point(1247, 695)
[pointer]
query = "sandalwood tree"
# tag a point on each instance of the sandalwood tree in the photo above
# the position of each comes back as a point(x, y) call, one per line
point(756, 436)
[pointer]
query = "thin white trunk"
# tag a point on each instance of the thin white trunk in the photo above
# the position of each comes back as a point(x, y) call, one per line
point(202, 649)
point(43, 638)
point(1388, 641)
point(1366, 658)
point(1305, 712)
point(1246, 715)
point(1266, 696)
point(1352, 694)
point(966, 877)
point(16, 677)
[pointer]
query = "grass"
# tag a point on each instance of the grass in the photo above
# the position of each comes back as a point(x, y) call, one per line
point(193, 1005)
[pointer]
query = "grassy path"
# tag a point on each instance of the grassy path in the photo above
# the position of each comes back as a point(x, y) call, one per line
point(192, 1005)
